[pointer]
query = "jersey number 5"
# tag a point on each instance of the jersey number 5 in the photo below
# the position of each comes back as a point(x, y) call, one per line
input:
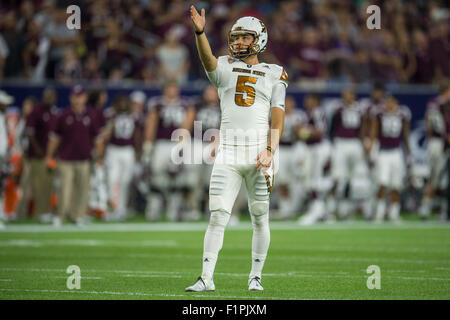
point(241, 88)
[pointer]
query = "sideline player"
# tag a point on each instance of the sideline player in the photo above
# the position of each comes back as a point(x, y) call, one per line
point(166, 114)
point(288, 177)
point(390, 125)
point(435, 130)
point(313, 132)
point(251, 92)
point(348, 152)
point(370, 105)
point(121, 136)
point(204, 147)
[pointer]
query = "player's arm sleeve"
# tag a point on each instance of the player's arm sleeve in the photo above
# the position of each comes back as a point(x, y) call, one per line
point(279, 88)
point(278, 96)
point(216, 76)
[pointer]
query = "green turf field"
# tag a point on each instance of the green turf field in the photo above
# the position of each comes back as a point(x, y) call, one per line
point(157, 261)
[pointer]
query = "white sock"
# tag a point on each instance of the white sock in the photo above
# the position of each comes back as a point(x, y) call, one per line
point(318, 208)
point(298, 198)
point(154, 206)
point(343, 208)
point(367, 208)
point(331, 206)
point(260, 243)
point(381, 210)
point(394, 211)
point(213, 241)
point(285, 206)
point(425, 208)
point(174, 205)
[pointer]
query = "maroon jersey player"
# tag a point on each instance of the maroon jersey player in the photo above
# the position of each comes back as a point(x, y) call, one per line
point(446, 214)
point(121, 136)
point(347, 127)
point(390, 125)
point(435, 130)
point(289, 153)
point(166, 114)
point(312, 132)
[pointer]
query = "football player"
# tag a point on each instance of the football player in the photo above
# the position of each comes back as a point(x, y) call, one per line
point(313, 133)
point(252, 98)
point(5, 101)
point(445, 216)
point(121, 136)
point(370, 106)
point(435, 131)
point(390, 125)
point(138, 99)
point(166, 114)
point(287, 175)
point(348, 152)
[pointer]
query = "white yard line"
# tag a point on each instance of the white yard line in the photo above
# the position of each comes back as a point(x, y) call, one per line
point(174, 274)
point(86, 243)
point(305, 258)
point(81, 277)
point(172, 243)
point(147, 276)
point(186, 296)
point(201, 226)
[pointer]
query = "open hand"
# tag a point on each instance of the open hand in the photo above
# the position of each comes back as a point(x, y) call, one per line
point(263, 160)
point(198, 21)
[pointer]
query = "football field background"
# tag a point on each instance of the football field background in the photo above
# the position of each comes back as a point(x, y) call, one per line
point(158, 260)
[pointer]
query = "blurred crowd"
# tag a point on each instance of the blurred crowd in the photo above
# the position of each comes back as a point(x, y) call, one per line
point(152, 40)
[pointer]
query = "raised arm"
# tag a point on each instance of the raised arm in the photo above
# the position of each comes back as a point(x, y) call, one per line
point(209, 61)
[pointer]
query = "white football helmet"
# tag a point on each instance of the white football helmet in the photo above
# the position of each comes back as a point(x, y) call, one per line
point(253, 26)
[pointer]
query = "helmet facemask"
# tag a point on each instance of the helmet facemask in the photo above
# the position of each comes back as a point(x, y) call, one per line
point(252, 49)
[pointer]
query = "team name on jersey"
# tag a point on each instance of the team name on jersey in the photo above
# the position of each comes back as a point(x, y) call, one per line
point(258, 73)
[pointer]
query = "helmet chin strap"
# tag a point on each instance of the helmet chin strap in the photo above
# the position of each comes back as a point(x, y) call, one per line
point(247, 55)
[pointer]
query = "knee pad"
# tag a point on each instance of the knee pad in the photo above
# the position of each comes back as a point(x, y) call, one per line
point(260, 222)
point(217, 201)
point(259, 208)
point(219, 219)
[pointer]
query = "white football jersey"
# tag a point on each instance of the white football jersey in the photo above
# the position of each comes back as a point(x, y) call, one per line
point(245, 93)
